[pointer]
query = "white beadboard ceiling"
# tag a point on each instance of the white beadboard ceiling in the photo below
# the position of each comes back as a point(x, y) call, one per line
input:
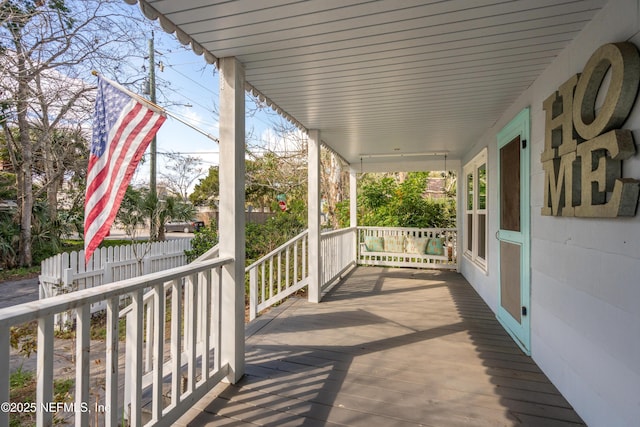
point(383, 77)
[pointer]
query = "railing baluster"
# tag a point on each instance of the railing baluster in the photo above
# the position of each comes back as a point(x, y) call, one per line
point(44, 387)
point(149, 322)
point(201, 313)
point(134, 335)
point(286, 271)
point(295, 262)
point(263, 280)
point(176, 341)
point(158, 313)
point(253, 293)
point(83, 344)
point(270, 278)
point(112, 363)
point(279, 272)
point(5, 345)
point(192, 284)
point(304, 256)
point(217, 297)
point(205, 285)
point(128, 366)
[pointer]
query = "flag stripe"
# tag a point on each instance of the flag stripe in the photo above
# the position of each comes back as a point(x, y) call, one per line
point(123, 128)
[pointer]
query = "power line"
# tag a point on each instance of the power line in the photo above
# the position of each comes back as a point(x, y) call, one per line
point(208, 89)
point(194, 120)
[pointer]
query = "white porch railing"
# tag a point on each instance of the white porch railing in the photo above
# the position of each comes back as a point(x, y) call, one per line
point(338, 254)
point(67, 272)
point(278, 274)
point(150, 301)
point(283, 271)
point(182, 366)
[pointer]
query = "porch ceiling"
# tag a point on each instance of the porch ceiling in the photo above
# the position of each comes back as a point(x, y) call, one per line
point(384, 77)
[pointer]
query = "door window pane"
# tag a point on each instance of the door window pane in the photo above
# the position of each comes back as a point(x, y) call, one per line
point(510, 279)
point(510, 186)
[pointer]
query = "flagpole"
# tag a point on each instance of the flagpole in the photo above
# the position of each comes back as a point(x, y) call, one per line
point(153, 223)
point(156, 107)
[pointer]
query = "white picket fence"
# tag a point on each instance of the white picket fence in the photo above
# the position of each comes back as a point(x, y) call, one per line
point(67, 272)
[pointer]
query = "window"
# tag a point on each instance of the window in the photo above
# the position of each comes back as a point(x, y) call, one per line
point(475, 230)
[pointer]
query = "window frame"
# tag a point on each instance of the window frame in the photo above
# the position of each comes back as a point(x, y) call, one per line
point(474, 216)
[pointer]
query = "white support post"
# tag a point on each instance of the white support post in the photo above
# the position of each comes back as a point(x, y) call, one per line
point(460, 204)
point(353, 209)
point(313, 170)
point(232, 221)
point(353, 198)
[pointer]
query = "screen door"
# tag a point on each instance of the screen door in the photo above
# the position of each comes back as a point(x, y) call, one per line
point(513, 231)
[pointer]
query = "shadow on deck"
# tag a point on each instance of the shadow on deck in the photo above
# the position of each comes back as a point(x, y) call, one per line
point(390, 347)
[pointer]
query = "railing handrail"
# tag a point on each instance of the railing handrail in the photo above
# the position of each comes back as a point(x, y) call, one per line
point(277, 250)
point(29, 311)
point(210, 254)
point(371, 227)
point(337, 232)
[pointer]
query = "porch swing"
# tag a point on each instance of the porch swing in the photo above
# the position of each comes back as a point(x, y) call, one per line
point(407, 246)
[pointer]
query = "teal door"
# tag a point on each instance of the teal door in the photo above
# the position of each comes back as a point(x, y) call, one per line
point(513, 231)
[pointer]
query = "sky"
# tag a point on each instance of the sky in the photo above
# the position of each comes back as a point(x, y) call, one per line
point(189, 87)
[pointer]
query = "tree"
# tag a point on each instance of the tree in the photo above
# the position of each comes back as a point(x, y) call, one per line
point(8, 225)
point(270, 174)
point(139, 207)
point(206, 192)
point(334, 184)
point(47, 50)
point(387, 201)
point(182, 171)
point(170, 209)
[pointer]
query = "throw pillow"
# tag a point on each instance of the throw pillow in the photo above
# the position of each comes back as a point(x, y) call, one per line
point(435, 246)
point(374, 244)
point(416, 245)
point(394, 244)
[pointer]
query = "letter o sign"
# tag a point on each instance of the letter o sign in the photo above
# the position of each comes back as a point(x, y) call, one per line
point(624, 61)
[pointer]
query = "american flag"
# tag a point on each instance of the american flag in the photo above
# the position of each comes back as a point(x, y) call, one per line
point(123, 127)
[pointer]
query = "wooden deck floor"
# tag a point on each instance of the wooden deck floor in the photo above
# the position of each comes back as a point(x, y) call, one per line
point(387, 347)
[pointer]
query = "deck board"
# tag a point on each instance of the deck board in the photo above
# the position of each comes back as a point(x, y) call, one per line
point(389, 347)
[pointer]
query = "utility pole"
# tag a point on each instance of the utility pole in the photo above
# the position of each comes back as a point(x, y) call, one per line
point(153, 232)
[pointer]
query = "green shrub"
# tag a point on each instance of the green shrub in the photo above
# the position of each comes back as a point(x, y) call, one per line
point(204, 239)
